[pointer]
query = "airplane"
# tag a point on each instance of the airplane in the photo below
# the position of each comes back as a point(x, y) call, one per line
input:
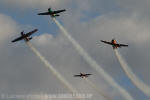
point(114, 44)
point(82, 75)
point(26, 36)
point(52, 13)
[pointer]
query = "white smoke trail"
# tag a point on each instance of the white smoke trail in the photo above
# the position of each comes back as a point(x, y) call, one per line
point(134, 79)
point(93, 63)
point(54, 71)
point(97, 89)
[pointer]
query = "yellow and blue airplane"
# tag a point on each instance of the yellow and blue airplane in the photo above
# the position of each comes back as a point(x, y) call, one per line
point(26, 36)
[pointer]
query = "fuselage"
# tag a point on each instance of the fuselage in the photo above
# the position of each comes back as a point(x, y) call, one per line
point(51, 12)
point(25, 37)
point(114, 44)
point(83, 75)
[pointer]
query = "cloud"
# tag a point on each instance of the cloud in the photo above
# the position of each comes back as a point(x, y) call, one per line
point(134, 5)
point(127, 21)
point(34, 3)
point(8, 28)
point(126, 29)
point(23, 73)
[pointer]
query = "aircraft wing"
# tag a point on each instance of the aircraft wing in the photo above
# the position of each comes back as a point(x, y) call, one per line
point(106, 42)
point(58, 11)
point(18, 39)
point(45, 13)
point(88, 74)
point(77, 75)
point(30, 33)
point(123, 45)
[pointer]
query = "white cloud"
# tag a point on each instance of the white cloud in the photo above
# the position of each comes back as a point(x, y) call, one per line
point(125, 25)
point(26, 74)
point(8, 28)
point(42, 40)
point(34, 3)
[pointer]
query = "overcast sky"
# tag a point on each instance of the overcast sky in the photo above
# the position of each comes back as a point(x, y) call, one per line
point(88, 21)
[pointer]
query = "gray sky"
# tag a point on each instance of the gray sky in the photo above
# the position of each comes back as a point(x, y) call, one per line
point(21, 72)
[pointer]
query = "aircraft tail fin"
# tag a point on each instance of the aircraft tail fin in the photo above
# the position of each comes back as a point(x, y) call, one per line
point(50, 9)
point(22, 33)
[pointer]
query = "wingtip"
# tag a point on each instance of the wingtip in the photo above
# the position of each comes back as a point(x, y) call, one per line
point(12, 41)
point(74, 75)
point(36, 29)
point(38, 14)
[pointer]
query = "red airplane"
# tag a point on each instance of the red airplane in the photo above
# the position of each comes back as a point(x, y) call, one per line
point(82, 75)
point(114, 44)
point(25, 36)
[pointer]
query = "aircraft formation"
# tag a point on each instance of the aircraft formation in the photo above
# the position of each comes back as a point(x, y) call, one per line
point(26, 37)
